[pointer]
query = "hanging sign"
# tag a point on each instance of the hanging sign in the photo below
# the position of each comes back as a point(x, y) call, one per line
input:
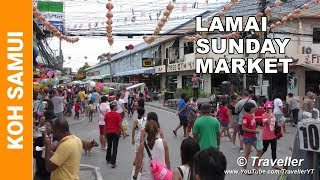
point(309, 133)
point(53, 12)
point(147, 62)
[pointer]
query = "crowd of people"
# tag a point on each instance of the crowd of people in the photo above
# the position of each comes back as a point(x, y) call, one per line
point(203, 126)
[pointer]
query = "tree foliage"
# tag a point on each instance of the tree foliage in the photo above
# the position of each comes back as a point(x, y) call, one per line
point(82, 70)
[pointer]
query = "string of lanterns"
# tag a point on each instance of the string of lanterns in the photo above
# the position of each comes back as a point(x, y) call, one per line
point(268, 11)
point(192, 38)
point(109, 22)
point(162, 22)
point(38, 15)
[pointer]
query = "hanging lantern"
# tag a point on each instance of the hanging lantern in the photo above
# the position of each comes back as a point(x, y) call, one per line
point(109, 31)
point(144, 37)
point(278, 23)
point(109, 22)
point(221, 13)
point(170, 7)
point(268, 11)
point(259, 14)
point(131, 46)
point(36, 13)
point(234, 34)
point(297, 11)
point(77, 39)
point(164, 20)
point(166, 13)
point(110, 41)
point(290, 16)
point(54, 30)
point(227, 7)
point(109, 28)
point(109, 15)
point(316, 2)
point(306, 6)
point(46, 24)
point(152, 38)
point(57, 34)
point(41, 18)
point(198, 36)
point(284, 20)
point(272, 26)
point(156, 31)
point(277, 3)
point(109, 6)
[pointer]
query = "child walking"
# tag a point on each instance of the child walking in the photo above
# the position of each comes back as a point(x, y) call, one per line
point(77, 110)
point(249, 133)
point(91, 110)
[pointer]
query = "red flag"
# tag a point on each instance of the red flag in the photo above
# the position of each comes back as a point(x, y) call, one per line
point(184, 8)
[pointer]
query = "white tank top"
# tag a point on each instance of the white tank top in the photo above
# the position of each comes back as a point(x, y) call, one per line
point(185, 171)
point(158, 154)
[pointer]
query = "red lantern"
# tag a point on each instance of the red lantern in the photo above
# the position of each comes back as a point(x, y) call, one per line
point(109, 6)
point(144, 37)
point(160, 24)
point(164, 20)
point(260, 14)
point(109, 28)
point(36, 13)
point(76, 39)
point(284, 20)
point(109, 22)
point(166, 13)
point(170, 7)
point(54, 30)
point(152, 38)
point(272, 26)
point(110, 41)
point(221, 13)
point(46, 24)
point(297, 11)
point(227, 7)
point(290, 16)
point(306, 6)
point(315, 2)
point(131, 46)
point(109, 31)
point(156, 31)
point(278, 23)
point(109, 15)
point(234, 1)
point(268, 11)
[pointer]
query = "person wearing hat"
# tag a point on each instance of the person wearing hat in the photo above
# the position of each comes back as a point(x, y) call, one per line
point(113, 123)
point(206, 129)
point(268, 134)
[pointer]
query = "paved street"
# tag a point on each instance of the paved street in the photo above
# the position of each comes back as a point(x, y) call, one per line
point(168, 120)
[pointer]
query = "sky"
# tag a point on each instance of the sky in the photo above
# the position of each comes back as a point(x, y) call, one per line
point(82, 14)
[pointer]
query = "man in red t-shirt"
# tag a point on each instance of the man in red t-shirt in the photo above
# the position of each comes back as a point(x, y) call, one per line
point(249, 132)
point(113, 125)
point(224, 119)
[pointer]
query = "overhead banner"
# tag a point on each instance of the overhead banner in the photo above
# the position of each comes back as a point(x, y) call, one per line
point(53, 12)
point(16, 90)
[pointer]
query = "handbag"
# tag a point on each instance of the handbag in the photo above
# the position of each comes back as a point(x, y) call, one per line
point(277, 131)
point(158, 170)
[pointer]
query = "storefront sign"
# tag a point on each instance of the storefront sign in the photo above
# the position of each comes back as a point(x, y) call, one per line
point(160, 69)
point(53, 12)
point(293, 83)
point(183, 66)
point(309, 136)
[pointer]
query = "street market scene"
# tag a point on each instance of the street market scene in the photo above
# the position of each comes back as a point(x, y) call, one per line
point(117, 94)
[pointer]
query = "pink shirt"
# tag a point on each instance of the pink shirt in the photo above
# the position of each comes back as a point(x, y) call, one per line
point(268, 129)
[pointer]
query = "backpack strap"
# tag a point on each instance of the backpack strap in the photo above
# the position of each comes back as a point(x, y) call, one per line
point(148, 151)
point(180, 170)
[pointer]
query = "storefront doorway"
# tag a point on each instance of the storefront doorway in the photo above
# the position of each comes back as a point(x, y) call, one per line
point(312, 81)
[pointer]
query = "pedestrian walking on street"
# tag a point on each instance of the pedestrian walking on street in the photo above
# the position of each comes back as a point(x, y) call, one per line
point(141, 100)
point(120, 103)
point(113, 122)
point(58, 103)
point(158, 148)
point(103, 109)
point(234, 117)
point(206, 129)
point(293, 106)
point(249, 132)
point(209, 164)
point(189, 147)
point(195, 85)
point(181, 113)
point(91, 108)
point(268, 132)
point(152, 116)
point(138, 125)
point(77, 108)
point(278, 112)
point(240, 109)
point(308, 103)
point(64, 163)
point(82, 95)
point(224, 119)
point(192, 114)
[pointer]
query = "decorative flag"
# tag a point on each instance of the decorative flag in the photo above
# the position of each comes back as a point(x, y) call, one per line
point(102, 23)
point(96, 25)
point(75, 26)
point(184, 8)
point(143, 13)
point(132, 10)
point(125, 19)
point(150, 16)
point(133, 19)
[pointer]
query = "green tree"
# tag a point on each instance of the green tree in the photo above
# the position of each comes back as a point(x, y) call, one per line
point(83, 70)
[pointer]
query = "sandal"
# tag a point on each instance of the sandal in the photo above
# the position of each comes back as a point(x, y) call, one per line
point(174, 132)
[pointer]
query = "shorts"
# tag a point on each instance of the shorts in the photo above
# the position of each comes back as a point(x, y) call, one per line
point(249, 140)
point(240, 131)
point(102, 129)
point(224, 124)
point(183, 121)
point(96, 105)
point(190, 126)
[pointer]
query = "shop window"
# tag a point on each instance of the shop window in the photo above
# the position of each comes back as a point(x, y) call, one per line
point(157, 57)
point(186, 81)
point(188, 48)
point(316, 35)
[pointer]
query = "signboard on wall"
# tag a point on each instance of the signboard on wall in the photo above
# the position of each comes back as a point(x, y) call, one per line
point(53, 12)
point(183, 66)
point(293, 83)
point(147, 62)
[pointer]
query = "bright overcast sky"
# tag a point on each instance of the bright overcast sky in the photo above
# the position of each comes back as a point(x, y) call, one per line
point(81, 13)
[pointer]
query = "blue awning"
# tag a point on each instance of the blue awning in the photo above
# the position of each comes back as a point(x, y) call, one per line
point(138, 71)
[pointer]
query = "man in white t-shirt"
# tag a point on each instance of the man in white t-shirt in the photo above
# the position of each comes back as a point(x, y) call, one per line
point(278, 111)
point(103, 109)
point(120, 102)
point(126, 97)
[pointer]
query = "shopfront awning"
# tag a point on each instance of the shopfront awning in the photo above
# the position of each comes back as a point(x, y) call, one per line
point(138, 71)
point(105, 76)
point(314, 67)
